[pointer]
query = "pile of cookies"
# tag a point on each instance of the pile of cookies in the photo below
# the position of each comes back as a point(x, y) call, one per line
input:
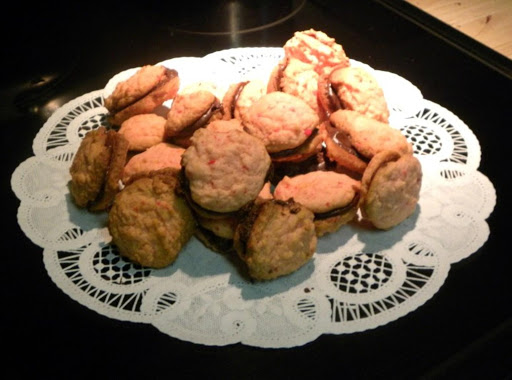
point(261, 171)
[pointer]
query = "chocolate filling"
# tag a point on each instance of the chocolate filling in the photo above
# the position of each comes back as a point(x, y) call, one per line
point(212, 241)
point(277, 75)
point(184, 191)
point(334, 102)
point(314, 163)
point(236, 96)
point(289, 152)
point(118, 153)
point(244, 229)
point(339, 144)
point(203, 120)
point(343, 141)
point(280, 74)
point(338, 211)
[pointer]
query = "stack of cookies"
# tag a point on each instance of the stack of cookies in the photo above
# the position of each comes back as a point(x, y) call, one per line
point(260, 172)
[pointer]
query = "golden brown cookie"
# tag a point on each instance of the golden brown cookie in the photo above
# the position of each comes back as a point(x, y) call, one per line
point(141, 93)
point(331, 196)
point(149, 223)
point(299, 79)
point(97, 168)
point(224, 170)
point(355, 138)
point(225, 125)
point(89, 167)
point(189, 112)
point(317, 48)
point(282, 121)
point(265, 193)
point(275, 239)
point(143, 131)
point(353, 88)
point(240, 96)
point(390, 188)
point(159, 156)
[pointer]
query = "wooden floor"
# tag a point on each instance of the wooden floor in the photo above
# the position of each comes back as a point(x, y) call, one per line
point(487, 21)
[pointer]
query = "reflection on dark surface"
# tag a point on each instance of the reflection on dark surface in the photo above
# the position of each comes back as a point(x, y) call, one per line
point(232, 16)
point(37, 95)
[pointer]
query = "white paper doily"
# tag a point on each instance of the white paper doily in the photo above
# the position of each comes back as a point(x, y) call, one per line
point(357, 280)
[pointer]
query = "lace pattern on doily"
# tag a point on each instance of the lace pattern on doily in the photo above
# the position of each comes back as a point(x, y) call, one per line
point(357, 280)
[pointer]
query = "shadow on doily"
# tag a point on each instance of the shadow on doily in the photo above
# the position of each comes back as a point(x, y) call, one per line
point(364, 232)
point(253, 290)
point(86, 220)
point(332, 241)
point(372, 238)
point(199, 262)
point(384, 239)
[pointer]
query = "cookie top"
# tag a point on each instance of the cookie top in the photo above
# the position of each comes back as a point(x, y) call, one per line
point(359, 91)
point(209, 86)
point(390, 188)
point(240, 96)
point(136, 86)
point(143, 131)
point(320, 191)
point(225, 125)
point(189, 111)
point(317, 48)
point(148, 222)
point(369, 136)
point(225, 170)
point(142, 93)
point(159, 156)
point(89, 167)
point(301, 80)
point(282, 121)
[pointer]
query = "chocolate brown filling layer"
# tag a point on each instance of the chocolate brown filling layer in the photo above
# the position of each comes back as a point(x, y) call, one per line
point(343, 141)
point(118, 148)
point(338, 211)
point(334, 102)
point(212, 241)
point(202, 121)
point(277, 75)
point(184, 190)
point(244, 229)
point(310, 164)
point(289, 152)
point(236, 96)
point(340, 145)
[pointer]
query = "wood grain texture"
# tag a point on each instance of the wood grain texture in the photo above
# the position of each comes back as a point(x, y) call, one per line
point(487, 21)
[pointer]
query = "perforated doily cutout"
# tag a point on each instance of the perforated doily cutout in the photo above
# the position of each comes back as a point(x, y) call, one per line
point(357, 280)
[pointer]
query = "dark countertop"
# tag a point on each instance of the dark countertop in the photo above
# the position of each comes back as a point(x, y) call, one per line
point(59, 53)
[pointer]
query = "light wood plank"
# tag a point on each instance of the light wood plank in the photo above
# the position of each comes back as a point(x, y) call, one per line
point(487, 21)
